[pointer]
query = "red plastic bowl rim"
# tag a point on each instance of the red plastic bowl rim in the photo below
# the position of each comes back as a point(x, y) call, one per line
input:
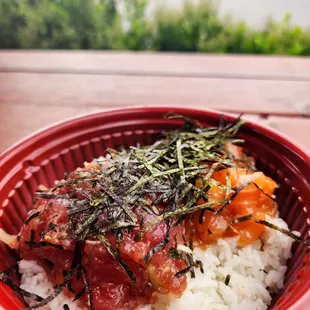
point(68, 122)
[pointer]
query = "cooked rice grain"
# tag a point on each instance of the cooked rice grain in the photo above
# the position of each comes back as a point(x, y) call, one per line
point(256, 271)
point(34, 279)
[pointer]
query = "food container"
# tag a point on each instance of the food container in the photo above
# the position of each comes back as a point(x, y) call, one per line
point(46, 156)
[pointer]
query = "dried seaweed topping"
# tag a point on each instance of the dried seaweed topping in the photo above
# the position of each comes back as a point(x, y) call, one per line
point(284, 231)
point(227, 279)
point(105, 199)
point(76, 261)
point(164, 173)
point(6, 279)
point(88, 289)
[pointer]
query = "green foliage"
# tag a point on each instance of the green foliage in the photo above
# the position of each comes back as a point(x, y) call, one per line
point(187, 29)
point(101, 24)
point(139, 33)
point(274, 38)
point(46, 26)
point(11, 21)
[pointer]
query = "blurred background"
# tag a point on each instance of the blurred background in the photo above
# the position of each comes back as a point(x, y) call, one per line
point(223, 26)
point(64, 58)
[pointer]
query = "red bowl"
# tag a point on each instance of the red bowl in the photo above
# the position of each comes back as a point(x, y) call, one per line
point(47, 155)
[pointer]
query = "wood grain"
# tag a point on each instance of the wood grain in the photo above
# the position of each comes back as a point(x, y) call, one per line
point(39, 88)
point(21, 120)
point(101, 91)
point(296, 128)
point(152, 64)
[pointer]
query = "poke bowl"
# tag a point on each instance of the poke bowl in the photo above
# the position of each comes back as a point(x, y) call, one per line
point(29, 169)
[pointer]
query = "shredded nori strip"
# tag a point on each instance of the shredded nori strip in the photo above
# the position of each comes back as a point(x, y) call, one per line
point(88, 222)
point(159, 246)
point(234, 195)
point(88, 289)
point(183, 272)
point(70, 288)
point(51, 264)
point(227, 279)
point(11, 269)
point(188, 259)
point(115, 254)
point(284, 231)
point(6, 279)
point(174, 253)
point(31, 217)
point(200, 264)
point(121, 203)
point(75, 263)
point(50, 196)
point(79, 294)
point(249, 163)
point(33, 244)
point(241, 219)
point(52, 226)
point(273, 199)
point(32, 232)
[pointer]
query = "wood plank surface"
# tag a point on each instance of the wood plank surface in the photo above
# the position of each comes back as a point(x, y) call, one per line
point(21, 120)
point(39, 88)
point(101, 91)
point(296, 128)
point(152, 64)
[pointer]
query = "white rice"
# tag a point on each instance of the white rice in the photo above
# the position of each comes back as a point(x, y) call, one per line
point(256, 272)
point(34, 280)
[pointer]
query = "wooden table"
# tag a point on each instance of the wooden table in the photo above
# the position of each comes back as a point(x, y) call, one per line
point(38, 88)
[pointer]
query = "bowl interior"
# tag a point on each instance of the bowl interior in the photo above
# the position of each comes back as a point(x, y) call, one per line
point(45, 157)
